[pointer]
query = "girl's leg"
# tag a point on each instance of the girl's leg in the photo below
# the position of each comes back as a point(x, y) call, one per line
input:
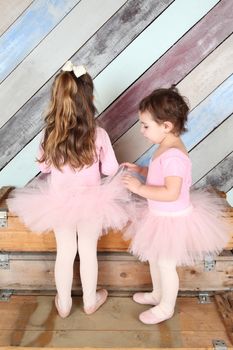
point(169, 290)
point(66, 240)
point(152, 298)
point(88, 236)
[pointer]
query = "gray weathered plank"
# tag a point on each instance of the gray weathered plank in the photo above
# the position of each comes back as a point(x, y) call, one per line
point(29, 30)
point(198, 84)
point(171, 68)
point(10, 10)
point(105, 45)
point(74, 30)
point(215, 147)
point(220, 176)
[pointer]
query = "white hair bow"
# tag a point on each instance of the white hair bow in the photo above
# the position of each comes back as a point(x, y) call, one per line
point(78, 70)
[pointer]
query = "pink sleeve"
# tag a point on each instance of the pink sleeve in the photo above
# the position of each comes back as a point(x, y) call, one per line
point(109, 164)
point(44, 168)
point(173, 166)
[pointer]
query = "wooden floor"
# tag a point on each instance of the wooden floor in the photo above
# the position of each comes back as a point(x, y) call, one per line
point(32, 321)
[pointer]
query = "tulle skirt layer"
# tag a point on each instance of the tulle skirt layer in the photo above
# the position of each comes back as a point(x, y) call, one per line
point(41, 209)
point(185, 237)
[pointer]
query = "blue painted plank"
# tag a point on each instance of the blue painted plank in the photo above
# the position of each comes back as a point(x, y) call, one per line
point(204, 118)
point(230, 197)
point(24, 163)
point(29, 29)
point(181, 15)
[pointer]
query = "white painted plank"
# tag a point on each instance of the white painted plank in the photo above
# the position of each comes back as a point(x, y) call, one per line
point(220, 177)
point(207, 154)
point(76, 28)
point(141, 54)
point(198, 84)
point(205, 117)
point(29, 29)
point(230, 197)
point(10, 10)
point(105, 45)
point(193, 12)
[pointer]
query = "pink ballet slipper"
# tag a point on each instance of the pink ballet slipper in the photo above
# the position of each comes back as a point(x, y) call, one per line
point(144, 299)
point(150, 317)
point(61, 313)
point(101, 296)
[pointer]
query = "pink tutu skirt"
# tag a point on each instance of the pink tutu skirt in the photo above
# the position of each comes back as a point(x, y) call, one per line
point(106, 205)
point(187, 236)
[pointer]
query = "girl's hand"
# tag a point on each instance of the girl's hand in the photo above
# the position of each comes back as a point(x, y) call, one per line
point(133, 167)
point(131, 183)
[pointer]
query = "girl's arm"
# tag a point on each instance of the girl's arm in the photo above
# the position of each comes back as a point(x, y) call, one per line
point(137, 168)
point(109, 164)
point(167, 193)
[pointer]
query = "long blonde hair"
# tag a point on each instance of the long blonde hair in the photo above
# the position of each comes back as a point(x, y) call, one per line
point(70, 126)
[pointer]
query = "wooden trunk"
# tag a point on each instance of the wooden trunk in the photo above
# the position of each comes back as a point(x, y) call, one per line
point(29, 322)
point(203, 316)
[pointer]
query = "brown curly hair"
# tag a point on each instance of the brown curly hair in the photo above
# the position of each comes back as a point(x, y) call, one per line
point(70, 125)
point(167, 105)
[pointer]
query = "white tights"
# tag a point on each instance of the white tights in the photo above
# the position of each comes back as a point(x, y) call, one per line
point(67, 246)
point(165, 283)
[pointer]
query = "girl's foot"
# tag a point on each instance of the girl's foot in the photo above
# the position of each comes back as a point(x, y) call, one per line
point(145, 299)
point(153, 316)
point(101, 296)
point(61, 313)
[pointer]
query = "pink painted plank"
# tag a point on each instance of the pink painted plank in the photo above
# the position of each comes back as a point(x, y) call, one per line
point(171, 68)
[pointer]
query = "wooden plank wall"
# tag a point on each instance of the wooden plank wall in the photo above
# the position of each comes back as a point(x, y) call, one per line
point(129, 49)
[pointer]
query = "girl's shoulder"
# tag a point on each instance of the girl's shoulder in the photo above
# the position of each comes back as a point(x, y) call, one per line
point(171, 155)
point(102, 138)
point(100, 132)
point(174, 152)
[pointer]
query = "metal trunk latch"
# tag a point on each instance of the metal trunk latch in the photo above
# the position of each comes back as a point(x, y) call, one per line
point(204, 298)
point(3, 217)
point(4, 261)
point(209, 263)
point(219, 344)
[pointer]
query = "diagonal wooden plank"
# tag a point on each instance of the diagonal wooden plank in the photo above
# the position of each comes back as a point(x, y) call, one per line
point(206, 155)
point(10, 10)
point(172, 67)
point(196, 86)
point(29, 29)
point(196, 13)
point(105, 45)
point(134, 58)
point(230, 197)
point(220, 176)
point(205, 117)
point(90, 15)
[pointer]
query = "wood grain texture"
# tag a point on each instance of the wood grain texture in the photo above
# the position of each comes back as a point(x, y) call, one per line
point(119, 272)
point(24, 177)
point(17, 237)
point(171, 68)
point(29, 29)
point(205, 117)
point(225, 306)
point(206, 155)
point(135, 59)
point(34, 323)
point(90, 16)
point(196, 85)
point(105, 45)
point(10, 10)
point(220, 176)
